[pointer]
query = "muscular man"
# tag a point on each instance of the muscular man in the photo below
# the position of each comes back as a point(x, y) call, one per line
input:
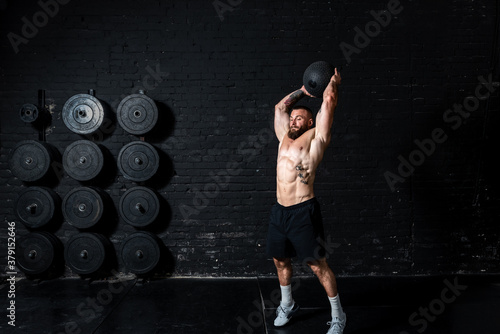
point(296, 226)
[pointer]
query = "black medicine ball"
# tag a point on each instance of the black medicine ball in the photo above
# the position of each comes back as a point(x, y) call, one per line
point(317, 76)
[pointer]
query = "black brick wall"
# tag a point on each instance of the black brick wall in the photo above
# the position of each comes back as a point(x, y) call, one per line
point(219, 67)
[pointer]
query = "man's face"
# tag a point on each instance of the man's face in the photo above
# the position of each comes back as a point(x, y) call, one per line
point(300, 122)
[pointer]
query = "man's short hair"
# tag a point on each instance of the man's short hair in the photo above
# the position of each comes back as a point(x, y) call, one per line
point(305, 108)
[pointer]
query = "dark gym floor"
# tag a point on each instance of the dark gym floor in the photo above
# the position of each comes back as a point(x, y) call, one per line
point(397, 305)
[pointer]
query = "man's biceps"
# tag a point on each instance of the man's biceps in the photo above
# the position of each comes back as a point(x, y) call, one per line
point(323, 138)
point(278, 134)
point(324, 119)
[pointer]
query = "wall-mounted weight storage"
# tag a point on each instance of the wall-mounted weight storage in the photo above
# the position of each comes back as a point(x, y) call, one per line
point(29, 113)
point(83, 113)
point(139, 206)
point(38, 252)
point(87, 253)
point(83, 160)
point(31, 160)
point(37, 206)
point(138, 161)
point(84, 207)
point(140, 252)
point(137, 114)
point(37, 116)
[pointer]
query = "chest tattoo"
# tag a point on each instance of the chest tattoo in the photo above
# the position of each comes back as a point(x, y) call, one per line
point(300, 168)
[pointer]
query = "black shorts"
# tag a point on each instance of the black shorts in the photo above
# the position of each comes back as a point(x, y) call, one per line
point(296, 231)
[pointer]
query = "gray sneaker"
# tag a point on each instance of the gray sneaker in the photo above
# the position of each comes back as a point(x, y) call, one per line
point(283, 315)
point(337, 325)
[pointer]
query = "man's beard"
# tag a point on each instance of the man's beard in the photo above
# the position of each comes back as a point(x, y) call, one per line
point(297, 133)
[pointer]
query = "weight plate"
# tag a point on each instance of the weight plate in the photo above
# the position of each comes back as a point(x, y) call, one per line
point(140, 252)
point(30, 160)
point(28, 113)
point(138, 161)
point(83, 207)
point(83, 113)
point(36, 206)
point(137, 114)
point(36, 252)
point(83, 160)
point(139, 206)
point(85, 253)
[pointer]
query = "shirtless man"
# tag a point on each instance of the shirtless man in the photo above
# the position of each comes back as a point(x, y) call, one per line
point(295, 222)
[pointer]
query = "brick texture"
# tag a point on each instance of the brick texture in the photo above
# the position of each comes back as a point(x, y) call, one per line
point(217, 68)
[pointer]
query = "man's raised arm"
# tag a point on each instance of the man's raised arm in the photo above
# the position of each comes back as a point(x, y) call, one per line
point(281, 110)
point(324, 118)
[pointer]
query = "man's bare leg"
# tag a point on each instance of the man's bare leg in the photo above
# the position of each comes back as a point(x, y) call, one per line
point(287, 306)
point(285, 271)
point(325, 276)
point(329, 283)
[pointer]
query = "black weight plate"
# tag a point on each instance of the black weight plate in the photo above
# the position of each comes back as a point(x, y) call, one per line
point(36, 206)
point(28, 113)
point(83, 160)
point(85, 253)
point(137, 114)
point(83, 113)
point(30, 160)
point(83, 207)
point(139, 206)
point(138, 161)
point(36, 252)
point(140, 252)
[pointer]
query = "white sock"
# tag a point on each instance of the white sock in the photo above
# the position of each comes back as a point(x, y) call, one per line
point(336, 307)
point(286, 296)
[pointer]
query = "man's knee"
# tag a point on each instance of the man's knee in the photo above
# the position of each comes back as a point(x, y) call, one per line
point(282, 263)
point(318, 266)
